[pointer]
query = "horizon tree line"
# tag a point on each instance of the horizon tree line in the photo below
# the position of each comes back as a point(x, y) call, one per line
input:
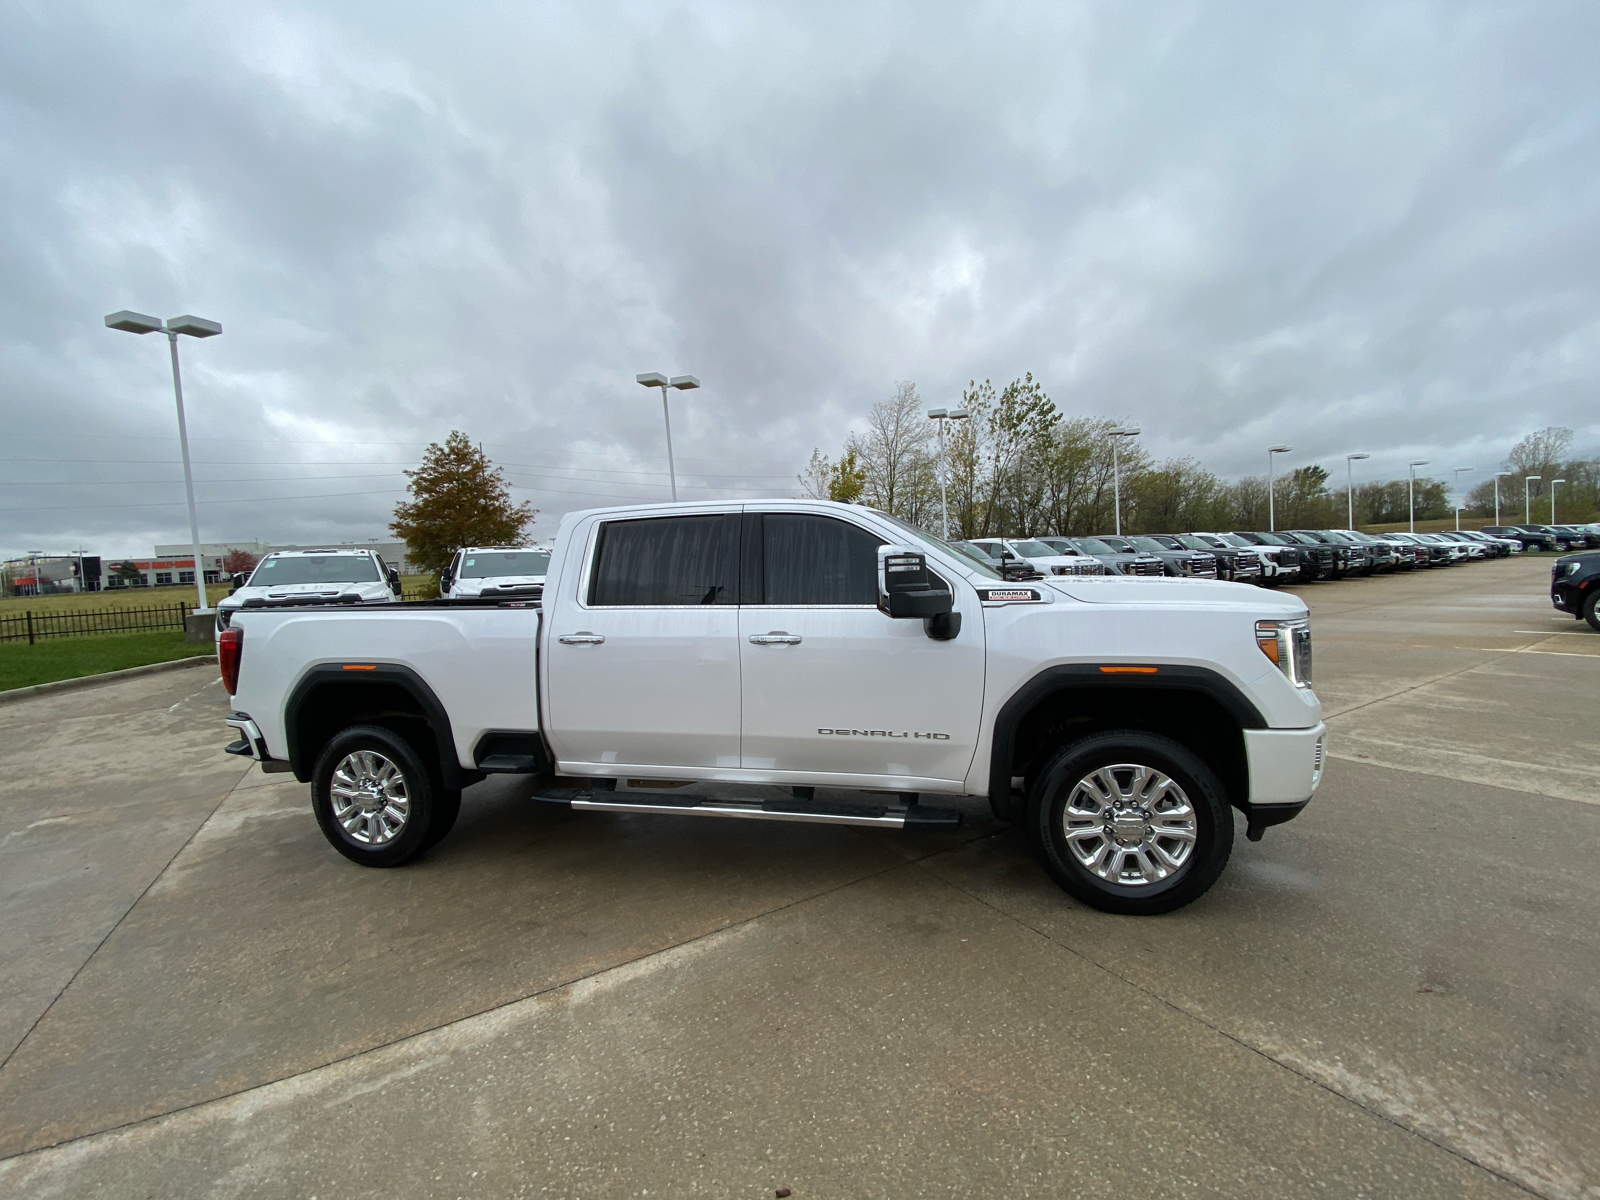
point(1019, 467)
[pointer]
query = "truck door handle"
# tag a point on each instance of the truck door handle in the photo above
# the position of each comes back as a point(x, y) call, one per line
point(776, 638)
point(585, 638)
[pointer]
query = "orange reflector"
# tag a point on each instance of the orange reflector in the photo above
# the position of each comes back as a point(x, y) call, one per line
point(1129, 670)
point(360, 666)
point(1269, 647)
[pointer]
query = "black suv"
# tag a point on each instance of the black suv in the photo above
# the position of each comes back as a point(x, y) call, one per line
point(1523, 534)
point(1575, 586)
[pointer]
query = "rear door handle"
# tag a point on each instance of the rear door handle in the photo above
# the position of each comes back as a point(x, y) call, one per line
point(776, 638)
point(585, 638)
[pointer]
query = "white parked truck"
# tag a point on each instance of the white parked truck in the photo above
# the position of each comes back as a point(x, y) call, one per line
point(505, 572)
point(338, 575)
point(806, 645)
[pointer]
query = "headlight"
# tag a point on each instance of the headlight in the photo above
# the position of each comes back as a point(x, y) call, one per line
point(1288, 644)
point(1571, 568)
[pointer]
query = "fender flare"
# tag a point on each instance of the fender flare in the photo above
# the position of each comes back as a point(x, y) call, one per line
point(335, 674)
point(1088, 676)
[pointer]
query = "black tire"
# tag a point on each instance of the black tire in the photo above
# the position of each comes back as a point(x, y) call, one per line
point(1591, 613)
point(1209, 823)
point(376, 839)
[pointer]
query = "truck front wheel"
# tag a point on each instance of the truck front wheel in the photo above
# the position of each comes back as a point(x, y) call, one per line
point(1130, 822)
point(374, 798)
point(1591, 610)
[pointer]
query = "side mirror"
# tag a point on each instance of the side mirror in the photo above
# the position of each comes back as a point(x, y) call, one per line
point(445, 580)
point(394, 578)
point(904, 584)
point(238, 579)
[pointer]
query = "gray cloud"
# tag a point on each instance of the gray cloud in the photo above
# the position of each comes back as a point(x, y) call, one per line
point(1367, 228)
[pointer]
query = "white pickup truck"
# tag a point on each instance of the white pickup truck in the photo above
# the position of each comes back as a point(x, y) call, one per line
point(805, 645)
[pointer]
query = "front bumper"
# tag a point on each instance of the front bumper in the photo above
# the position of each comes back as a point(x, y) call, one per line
point(1285, 769)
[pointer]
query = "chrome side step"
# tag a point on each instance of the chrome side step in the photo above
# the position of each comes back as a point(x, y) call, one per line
point(913, 817)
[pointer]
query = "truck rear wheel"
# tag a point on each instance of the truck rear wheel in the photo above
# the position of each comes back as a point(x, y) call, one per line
point(374, 798)
point(1130, 822)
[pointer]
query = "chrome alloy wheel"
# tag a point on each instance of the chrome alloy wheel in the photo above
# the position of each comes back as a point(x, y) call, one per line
point(1130, 824)
point(369, 798)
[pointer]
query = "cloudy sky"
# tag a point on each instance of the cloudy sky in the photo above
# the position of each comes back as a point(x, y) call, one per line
point(1351, 227)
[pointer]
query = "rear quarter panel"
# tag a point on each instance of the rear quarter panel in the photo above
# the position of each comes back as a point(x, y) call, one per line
point(478, 661)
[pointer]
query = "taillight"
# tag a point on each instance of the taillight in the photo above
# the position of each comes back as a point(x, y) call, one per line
point(230, 649)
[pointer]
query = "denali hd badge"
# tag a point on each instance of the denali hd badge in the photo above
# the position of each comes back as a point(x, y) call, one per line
point(1008, 596)
point(937, 737)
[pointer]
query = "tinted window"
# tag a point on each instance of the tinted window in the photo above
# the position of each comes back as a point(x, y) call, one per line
point(335, 568)
point(815, 560)
point(665, 560)
point(486, 564)
point(1095, 546)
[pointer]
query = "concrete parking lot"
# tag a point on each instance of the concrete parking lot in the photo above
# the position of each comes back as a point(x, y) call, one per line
point(1395, 995)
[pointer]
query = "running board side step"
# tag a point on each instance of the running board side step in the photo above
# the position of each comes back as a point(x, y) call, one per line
point(912, 817)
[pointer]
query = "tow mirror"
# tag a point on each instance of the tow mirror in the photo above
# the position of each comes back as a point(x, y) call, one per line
point(394, 578)
point(907, 593)
point(238, 579)
point(445, 580)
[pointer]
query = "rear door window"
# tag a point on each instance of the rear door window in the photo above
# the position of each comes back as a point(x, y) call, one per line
point(666, 562)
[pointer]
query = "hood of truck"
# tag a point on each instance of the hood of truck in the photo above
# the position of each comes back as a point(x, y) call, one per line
point(1176, 593)
point(370, 593)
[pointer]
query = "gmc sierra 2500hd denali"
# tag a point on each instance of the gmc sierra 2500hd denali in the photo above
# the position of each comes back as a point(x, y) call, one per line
point(804, 644)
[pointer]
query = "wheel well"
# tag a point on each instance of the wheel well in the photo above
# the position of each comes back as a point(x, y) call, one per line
point(326, 708)
point(1192, 718)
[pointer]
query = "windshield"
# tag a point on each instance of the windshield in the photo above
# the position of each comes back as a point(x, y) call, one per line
point(487, 564)
point(1233, 539)
point(1062, 546)
point(1118, 543)
point(1096, 546)
point(1196, 541)
point(1273, 539)
point(1033, 549)
point(329, 568)
point(963, 554)
point(1150, 545)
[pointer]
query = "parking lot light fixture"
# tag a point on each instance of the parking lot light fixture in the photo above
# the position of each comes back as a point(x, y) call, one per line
point(941, 415)
point(1499, 475)
point(682, 383)
point(1117, 435)
point(1350, 483)
point(1272, 509)
point(1554, 483)
point(1411, 491)
point(1527, 497)
point(1457, 483)
point(190, 326)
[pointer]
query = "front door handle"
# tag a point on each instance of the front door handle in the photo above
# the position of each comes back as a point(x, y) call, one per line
point(585, 638)
point(776, 638)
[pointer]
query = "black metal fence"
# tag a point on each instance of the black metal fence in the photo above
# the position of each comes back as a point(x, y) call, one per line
point(33, 627)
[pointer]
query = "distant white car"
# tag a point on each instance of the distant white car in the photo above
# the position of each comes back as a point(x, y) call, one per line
point(508, 571)
point(307, 577)
point(1043, 558)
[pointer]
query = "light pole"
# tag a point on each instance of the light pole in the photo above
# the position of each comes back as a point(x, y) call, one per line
point(1411, 491)
point(1498, 477)
point(198, 327)
point(1116, 470)
point(1527, 497)
point(1350, 482)
point(1457, 486)
point(1272, 511)
point(683, 383)
point(942, 415)
point(1554, 483)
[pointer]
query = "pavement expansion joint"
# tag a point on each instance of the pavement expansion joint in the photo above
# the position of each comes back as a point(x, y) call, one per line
point(1279, 1060)
point(618, 970)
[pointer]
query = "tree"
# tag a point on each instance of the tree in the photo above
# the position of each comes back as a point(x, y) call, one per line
point(458, 498)
point(892, 455)
point(128, 571)
point(843, 481)
point(239, 562)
